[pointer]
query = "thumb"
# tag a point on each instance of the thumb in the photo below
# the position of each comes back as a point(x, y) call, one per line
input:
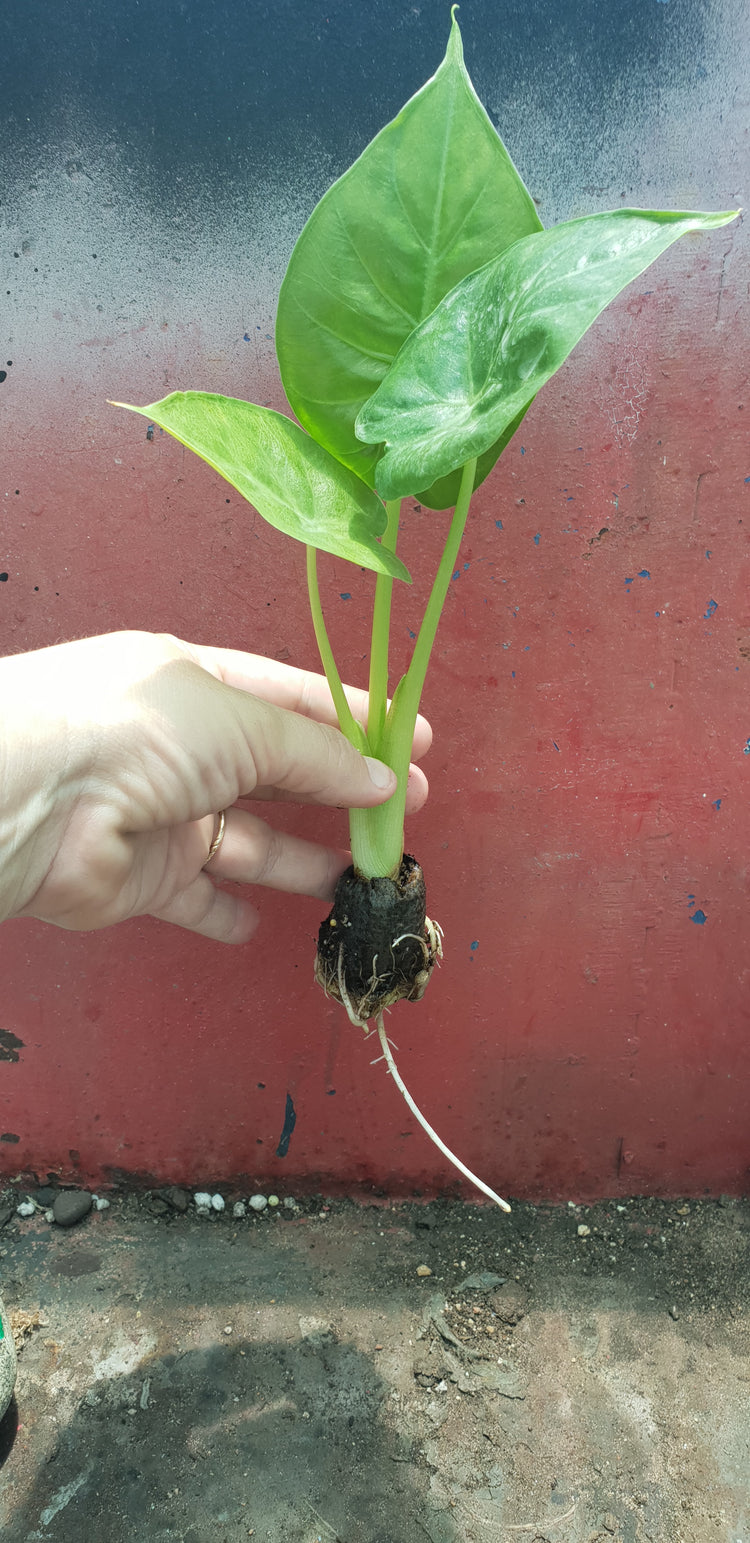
point(309, 760)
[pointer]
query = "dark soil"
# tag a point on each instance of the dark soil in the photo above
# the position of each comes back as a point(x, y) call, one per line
point(377, 947)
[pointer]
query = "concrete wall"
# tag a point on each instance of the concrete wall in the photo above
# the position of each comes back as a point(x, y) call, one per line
point(585, 841)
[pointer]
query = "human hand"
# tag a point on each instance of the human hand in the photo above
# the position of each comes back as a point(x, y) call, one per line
point(118, 752)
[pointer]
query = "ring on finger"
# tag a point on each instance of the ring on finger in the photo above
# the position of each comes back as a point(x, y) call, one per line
point(221, 826)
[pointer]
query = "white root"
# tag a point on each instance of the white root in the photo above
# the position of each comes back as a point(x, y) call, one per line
point(400, 1084)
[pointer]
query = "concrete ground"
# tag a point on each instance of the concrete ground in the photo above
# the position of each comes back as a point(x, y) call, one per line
point(561, 1376)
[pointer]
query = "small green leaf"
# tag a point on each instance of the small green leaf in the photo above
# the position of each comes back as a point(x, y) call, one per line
point(292, 481)
point(430, 199)
point(463, 377)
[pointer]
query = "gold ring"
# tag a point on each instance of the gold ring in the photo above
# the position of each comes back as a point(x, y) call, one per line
point(218, 838)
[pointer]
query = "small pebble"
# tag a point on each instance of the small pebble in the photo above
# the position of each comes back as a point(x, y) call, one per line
point(273, 1200)
point(26, 1208)
point(584, 1231)
point(423, 1269)
point(289, 1203)
point(673, 1313)
point(71, 1206)
point(202, 1200)
point(101, 1203)
point(258, 1202)
point(229, 1329)
point(217, 1202)
point(45, 1196)
point(239, 1209)
point(178, 1198)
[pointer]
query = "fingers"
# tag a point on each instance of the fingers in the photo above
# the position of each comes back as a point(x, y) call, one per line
point(301, 691)
point(211, 912)
point(253, 853)
point(417, 789)
point(305, 759)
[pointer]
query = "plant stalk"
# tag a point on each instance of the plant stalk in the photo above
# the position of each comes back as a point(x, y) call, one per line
point(377, 835)
point(381, 625)
point(354, 731)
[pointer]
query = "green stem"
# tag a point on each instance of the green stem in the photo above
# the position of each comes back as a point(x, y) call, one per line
point(349, 726)
point(415, 676)
point(377, 835)
point(381, 624)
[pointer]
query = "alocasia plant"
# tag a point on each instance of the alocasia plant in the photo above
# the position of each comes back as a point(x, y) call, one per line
point(423, 308)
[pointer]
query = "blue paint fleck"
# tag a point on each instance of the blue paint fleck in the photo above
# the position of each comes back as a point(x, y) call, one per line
point(713, 605)
point(747, 479)
point(345, 595)
point(708, 554)
point(691, 899)
point(644, 574)
point(499, 524)
point(537, 539)
point(411, 634)
point(246, 337)
point(475, 945)
point(699, 917)
point(657, 613)
point(512, 674)
point(716, 803)
point(746, 748)
point(557, 747)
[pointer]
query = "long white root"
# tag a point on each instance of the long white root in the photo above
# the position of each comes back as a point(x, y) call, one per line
point(400, 1084)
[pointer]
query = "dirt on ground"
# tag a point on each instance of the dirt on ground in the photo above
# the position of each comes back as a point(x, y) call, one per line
point(324, 1371)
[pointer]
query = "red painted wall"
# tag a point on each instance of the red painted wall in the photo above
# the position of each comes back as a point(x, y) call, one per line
point(586, 833)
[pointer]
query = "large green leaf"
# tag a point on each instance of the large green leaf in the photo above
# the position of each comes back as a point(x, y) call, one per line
point(292, 481)
point(433, 197)
point(465, 374)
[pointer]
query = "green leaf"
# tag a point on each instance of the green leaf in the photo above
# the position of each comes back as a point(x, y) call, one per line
point(292, 481)
point(444, 491)
point(465, 374)
point(431, 198)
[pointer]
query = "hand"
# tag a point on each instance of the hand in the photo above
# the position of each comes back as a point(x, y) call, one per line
point(118, 752)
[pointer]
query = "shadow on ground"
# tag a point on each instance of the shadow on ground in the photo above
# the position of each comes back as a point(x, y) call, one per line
point(246, 1440)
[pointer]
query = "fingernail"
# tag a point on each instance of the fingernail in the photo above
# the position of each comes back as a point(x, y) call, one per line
point(380, 774)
